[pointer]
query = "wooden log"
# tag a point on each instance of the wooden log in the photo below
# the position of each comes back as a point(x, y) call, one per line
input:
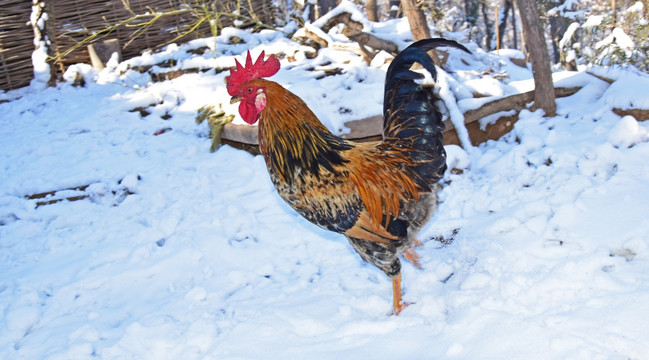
point(365, 128)
point(327, 42)
point(244, 134)
point(101, 52)
point(514, 102)
point(371, 128)
point(316, 38)
point(354, 31)
point(638, 114)
point(477, 134)
point(344, 18)
point(367, 39)
point(603, 78)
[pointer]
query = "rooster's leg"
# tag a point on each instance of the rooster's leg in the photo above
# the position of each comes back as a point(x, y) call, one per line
point(398, 304)
point(412, 256)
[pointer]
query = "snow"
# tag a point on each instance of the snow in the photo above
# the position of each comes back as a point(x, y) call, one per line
point(175, 252)
point(457, 118)
point(567, 36)
point(638, 6)
point(628, 133)
point(41, 68)
point(345, 6)
point(619, 37)
point(40, 65)
point(628, 91)
point(594, 20)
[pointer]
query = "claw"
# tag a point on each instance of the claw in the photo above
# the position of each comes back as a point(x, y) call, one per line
point(398, 309)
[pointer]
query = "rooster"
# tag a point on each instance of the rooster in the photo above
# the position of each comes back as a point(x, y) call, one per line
point(377, 194)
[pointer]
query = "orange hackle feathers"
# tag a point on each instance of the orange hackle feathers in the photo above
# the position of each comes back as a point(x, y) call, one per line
point(261, 68)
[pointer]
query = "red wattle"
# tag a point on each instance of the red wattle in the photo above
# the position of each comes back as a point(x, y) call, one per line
point(248, 112)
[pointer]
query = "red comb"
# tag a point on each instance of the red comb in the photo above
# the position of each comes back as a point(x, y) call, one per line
point(258, 69)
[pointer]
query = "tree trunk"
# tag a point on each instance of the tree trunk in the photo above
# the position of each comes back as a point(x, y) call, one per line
point(502, 22)
point(538, 51)
point(372, 10)
point(394, 9)
point(558, 27)
point(515, 40)
point(487, 23)
point(324, 6)
point(416, 19)
point(418, 25)
point(471, 11)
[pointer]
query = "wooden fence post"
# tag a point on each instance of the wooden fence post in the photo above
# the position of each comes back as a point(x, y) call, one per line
point(44, 73)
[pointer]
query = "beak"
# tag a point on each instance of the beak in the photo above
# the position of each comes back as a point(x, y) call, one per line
point(235, 99)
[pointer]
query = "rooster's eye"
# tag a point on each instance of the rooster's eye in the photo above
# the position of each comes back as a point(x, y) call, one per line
point(249, 90)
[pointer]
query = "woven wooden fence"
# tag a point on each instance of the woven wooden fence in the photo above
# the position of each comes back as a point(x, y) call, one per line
point(16, 44)
point(71, 21)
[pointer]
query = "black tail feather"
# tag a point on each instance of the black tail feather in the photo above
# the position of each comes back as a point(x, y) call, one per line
point(411, 119)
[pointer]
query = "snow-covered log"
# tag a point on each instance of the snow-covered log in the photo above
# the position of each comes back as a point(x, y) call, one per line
point(504, 109)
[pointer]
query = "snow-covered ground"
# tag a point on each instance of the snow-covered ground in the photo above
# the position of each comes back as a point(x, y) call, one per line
point(178, 253)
